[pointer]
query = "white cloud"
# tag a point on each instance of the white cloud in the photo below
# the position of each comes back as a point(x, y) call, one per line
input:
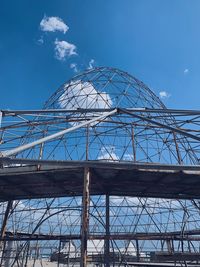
point(64, 49)
point(186, 71)
point(91, 64)
point(108, 154)
point(74, 67)
point(83, 95)
point(164, 94)
point(52, 24)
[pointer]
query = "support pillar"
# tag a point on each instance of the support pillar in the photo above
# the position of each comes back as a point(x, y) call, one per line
point(107, 239)
point(3, 229)
point(85, 217)
point(169, 246)
point(59, 249)
point(8, 254)
point(137, 250)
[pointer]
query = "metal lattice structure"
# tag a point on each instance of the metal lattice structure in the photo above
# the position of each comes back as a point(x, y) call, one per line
point(104, 174)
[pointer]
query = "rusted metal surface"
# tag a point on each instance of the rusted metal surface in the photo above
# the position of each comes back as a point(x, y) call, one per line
point(29, 182)
point(107, 237)
point(85, 217)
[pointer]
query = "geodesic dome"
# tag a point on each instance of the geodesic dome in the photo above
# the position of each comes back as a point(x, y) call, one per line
point(124, 136)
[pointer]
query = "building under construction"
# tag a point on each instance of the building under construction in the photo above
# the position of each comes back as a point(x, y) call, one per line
point(103, 175)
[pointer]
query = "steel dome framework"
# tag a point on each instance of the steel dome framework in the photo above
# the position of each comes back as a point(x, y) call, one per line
point(108, 128)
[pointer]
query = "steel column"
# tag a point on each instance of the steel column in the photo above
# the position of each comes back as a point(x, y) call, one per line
point(85, 217)
point(3, 244)
point(137, 250)
point(8, 254)
point(107, 239)
point(3, 228)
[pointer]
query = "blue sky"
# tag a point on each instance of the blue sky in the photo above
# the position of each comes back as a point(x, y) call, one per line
point(156, 41)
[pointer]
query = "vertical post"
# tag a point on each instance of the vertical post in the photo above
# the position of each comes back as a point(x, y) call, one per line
point(87, 143)
point(137, 250)
point(40, 155)
point(3, 228)
point(8, 254)
point(85, 217)
point(172, 243)
point(107, 239)
point(177, 149)
point(162, 242)
point(69, 253)
point(133, 143)
point(169, 247)
point(189, 247)
point(27, 251)
point(59, 249)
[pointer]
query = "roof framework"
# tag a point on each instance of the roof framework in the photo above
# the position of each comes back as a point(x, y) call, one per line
point(104, 150)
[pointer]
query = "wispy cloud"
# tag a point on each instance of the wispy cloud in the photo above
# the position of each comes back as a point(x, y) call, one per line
point(91, 64)
point(164, 94)
point(64, 49)
point(52, 24)
point(74, 67)
point(186, 71)
point(40, 41)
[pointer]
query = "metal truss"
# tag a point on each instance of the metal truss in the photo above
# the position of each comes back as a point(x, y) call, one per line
point(103, 116)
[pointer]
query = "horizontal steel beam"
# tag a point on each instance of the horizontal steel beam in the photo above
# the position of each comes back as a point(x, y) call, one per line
point(51, 137)
point(165, 126)
point(96, 164)
point(192, 235)
point(80, 110)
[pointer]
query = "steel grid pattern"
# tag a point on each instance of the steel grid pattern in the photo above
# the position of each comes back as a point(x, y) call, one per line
point(141, 131)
